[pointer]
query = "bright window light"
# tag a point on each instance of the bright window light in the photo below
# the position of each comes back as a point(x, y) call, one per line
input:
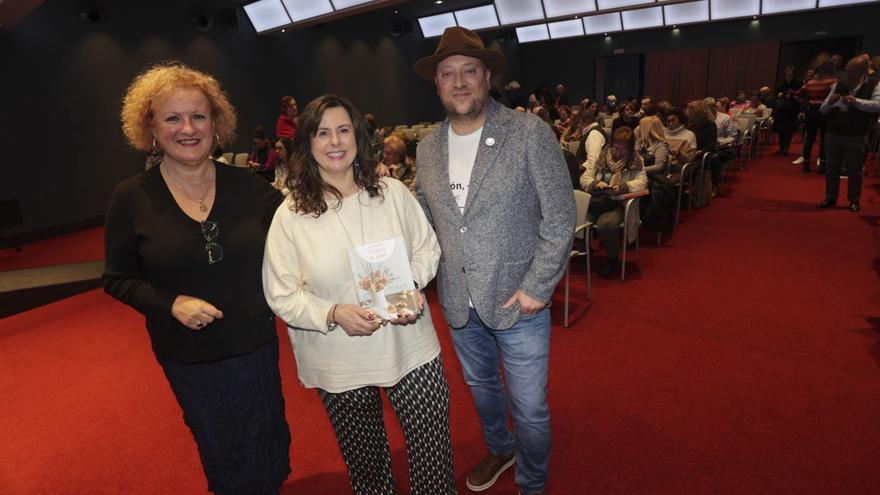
point(516, 11)
point(834, 3)
point(477, 18)
point(726, 9)
point(436, 24)
point(532, 33)
point(559, 8)
point(602, 23)
point(642, 18)
point(616, 4)
point(774, 6)
point(683, 13)
point(266, 15)
point(301, 10)
point(566, 29)
point(344, 4)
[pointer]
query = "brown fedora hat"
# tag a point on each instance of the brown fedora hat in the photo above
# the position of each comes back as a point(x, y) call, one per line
point(459, 41)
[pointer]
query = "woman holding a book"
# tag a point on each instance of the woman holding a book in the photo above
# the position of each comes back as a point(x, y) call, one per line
point(345, 257)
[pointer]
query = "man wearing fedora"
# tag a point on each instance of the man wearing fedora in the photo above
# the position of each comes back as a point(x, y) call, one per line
point(494, 184)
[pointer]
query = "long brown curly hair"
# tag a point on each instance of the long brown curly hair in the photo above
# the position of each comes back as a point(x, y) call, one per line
point(304, 182)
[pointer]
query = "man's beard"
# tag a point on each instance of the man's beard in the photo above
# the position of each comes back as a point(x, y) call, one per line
point(474, 110)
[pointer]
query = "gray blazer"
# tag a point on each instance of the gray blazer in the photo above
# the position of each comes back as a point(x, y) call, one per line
point(517, 226)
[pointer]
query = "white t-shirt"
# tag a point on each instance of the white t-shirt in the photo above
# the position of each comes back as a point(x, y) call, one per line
point(462, 155)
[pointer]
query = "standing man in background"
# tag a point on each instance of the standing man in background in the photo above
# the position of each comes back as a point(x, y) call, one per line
point(853, 102)
point(494, 184)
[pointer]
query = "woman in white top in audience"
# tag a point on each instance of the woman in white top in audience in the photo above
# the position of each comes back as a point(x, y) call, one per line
point(652, 146)
point(343, 350)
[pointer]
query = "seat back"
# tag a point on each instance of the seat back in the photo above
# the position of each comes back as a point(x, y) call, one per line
point(240, 160)
point(582, 204)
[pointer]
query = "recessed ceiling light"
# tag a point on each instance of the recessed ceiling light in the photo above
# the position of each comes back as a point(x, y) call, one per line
point(438, 2)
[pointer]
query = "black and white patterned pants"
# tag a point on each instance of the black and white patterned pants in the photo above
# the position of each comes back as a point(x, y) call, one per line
point(421, 402)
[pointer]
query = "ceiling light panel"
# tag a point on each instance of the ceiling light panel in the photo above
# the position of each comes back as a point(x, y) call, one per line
point(834, 3)
point(602, 23)
point(559, 8)
point(566, 29)
point(267, 14)
point(301, 10)
point(532, 33)
point(683, 13)
point(436, 24)
point(726, 9)
point(344, 4)
point(616, 4)
point(477, 18)
point(775, 6)
point(516, 11)
point(642, 18)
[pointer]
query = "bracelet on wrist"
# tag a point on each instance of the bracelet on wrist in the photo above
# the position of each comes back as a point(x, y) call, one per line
point(331, 320)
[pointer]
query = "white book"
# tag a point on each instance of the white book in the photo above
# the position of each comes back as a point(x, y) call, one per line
point(383, 279)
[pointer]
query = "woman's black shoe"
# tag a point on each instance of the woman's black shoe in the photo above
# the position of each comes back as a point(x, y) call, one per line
point(854, 206)
point(828, 203)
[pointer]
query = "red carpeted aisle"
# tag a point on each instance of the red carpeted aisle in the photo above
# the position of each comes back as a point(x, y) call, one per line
point(740, 357)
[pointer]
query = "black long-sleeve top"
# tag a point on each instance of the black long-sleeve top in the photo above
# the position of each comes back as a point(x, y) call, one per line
point(155, 252)
point(707, 137)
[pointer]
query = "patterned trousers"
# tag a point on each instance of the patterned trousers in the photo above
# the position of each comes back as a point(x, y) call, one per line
point(421, 402)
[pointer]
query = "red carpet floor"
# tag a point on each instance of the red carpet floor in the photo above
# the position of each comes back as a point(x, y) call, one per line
point(742, 357)
point(85, 245)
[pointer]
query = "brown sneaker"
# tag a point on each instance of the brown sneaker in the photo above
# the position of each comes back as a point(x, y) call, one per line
point(488, 470)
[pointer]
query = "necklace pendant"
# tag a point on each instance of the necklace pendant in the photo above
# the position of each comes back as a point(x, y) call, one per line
point(202, 207)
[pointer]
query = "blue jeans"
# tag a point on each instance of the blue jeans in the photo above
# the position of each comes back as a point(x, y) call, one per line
point(523, 350)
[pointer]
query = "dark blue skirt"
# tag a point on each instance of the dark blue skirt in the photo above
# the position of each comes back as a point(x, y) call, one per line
point(235, 410)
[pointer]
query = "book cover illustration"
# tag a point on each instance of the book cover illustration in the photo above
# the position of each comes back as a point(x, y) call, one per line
point(382, 278)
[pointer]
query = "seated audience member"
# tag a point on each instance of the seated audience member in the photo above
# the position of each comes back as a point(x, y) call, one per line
point(619, 170)
point(572, 132)
point(544, 114)
point(728, 129)
point(561, 97)
point(787, 109)
point(285, 126)
point(701, 123)
point(610, 106)
point(592, 138)
point(645, 103)
point(590, 104)
point(520, 109)
point(754, 107)
point(852, 105)
point(682, 142)
point(283, 149)
point(663, 107)
point(259, 155)
point(739, 103)
point(562, 124)
point(395, 163)
point(627, 117)
point(652, 146)
point(815, 90)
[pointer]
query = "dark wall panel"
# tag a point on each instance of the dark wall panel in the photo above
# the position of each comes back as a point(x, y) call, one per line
point(677, 75)
point(746, 67)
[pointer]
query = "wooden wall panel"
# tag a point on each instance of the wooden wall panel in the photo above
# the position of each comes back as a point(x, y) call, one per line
point(745, 67)
point(677, 75)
